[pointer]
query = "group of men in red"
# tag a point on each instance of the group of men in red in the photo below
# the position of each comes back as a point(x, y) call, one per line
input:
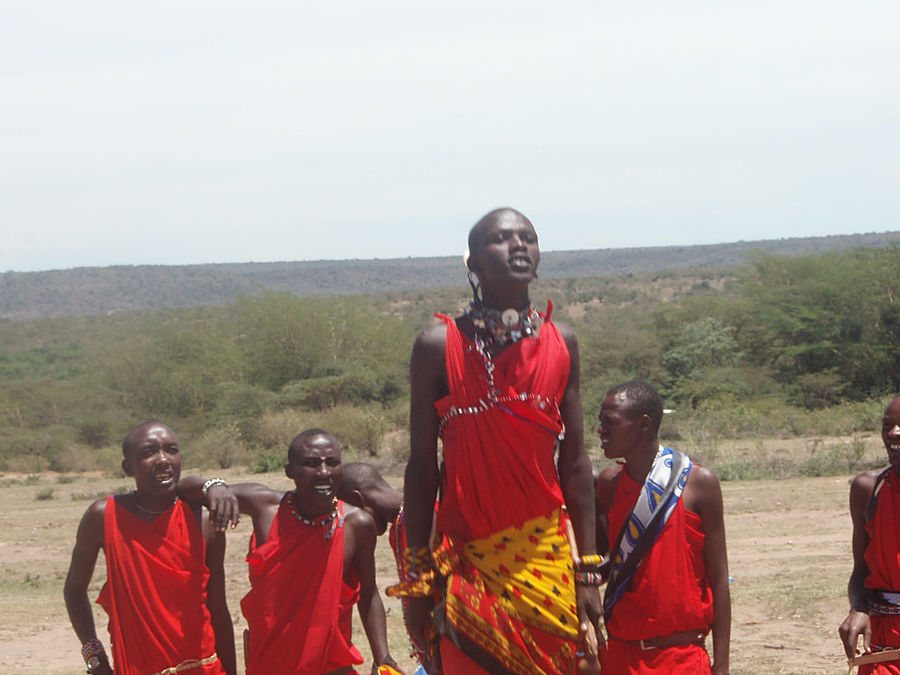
point(501, 540)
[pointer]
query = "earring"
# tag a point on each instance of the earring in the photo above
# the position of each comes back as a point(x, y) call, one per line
point(475, 284)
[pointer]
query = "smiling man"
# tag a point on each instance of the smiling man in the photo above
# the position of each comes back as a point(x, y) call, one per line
point(165, 588)
point(311, 558)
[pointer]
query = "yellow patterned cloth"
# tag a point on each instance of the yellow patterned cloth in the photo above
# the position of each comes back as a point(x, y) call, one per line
point(511, 594)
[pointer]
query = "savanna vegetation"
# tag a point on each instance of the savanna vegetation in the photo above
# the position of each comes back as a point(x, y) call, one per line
point(782, 347)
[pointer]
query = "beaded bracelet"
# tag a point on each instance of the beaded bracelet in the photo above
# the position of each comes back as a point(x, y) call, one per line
point(211, 483)
point(92, 647)
point(588, 578)
point(589, 560)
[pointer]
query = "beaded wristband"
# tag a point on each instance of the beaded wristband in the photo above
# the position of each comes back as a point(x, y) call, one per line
point(588, 578)
point(587, 560)
point(211, 483)
point(92, 647)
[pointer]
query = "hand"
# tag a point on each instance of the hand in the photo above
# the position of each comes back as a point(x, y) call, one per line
point(418, 616)
point(719, 671)
point(104, 668)
point(857, 623)
point(590, 609)
point(223, 507)
point(386, 668)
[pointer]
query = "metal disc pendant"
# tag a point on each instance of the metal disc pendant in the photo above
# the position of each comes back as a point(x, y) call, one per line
point(510, 317)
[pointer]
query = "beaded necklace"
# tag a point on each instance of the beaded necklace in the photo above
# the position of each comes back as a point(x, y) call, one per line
point(503, 327)
point(330, 521)
point(151, 512)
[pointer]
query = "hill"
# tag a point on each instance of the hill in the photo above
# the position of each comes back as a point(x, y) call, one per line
point(105, 290)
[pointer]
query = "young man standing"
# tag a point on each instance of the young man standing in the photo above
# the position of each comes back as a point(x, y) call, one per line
point(668, 579)
point(165, 588)
point(312, 558)
point(874, 588)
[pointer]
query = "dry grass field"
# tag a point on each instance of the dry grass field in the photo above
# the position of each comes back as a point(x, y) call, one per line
point(788, 544)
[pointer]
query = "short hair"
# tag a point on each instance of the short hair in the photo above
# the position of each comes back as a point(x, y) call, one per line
point(642, 398)
point(129, 437)
point(299, 440)
point(488, 217)
point(360, 476)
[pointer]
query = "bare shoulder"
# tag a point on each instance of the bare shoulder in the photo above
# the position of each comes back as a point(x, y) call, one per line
point(567, 333)
point(358, 520)
point(432, 341)
point(703, 478)
point(862, 487)
point(92, 522)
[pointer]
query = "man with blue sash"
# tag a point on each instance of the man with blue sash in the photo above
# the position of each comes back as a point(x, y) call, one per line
point(668, 577)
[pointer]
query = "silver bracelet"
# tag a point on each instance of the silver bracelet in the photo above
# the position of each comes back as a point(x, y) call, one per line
point(212, 482)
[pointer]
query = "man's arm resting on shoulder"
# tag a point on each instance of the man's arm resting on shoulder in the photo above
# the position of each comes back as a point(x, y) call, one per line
point(426, 370)
point(88, 542)
point(225, 502)
point(711, 511)
point(371, 609)
point(218, 605)
point(857, 621)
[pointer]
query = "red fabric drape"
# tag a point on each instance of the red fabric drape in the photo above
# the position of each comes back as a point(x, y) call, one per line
point(668, 594)
point(155, 594)
point(500, 468)
point(299, 609)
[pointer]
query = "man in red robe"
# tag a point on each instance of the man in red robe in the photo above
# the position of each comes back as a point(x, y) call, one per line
point(874, 588)
point(312, 558)
point(658, 618)
point(165, 589)
point(500, 386)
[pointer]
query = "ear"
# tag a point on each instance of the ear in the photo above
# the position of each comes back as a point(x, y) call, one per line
point(645, 422)
point(126, 467)
point(289, 470)
point(356, 498)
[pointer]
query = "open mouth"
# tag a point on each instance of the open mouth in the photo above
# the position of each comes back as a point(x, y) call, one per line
point(520, 263)
point(323, 489)
point(166, 477)
point(893, 448)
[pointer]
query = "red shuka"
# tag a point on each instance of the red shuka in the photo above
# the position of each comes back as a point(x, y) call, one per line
point(155, 593)
point(669, 593)
point(883, 559)
point(486, 447)
point(299, 610)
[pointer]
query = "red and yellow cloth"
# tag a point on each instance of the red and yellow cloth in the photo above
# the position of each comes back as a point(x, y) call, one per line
point(504, 567)
point(299, 610)
point(155, 593)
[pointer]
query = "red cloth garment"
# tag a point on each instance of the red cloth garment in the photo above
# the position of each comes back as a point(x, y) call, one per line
point(883, 559)
point(155, 593)
point(299, 609)
point(669, 593)
point(480, 448)
point(499, 452)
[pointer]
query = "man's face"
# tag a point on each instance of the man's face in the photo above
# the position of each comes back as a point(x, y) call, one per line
point(890, 431)
point(620, 427)
point(507, 249)
point(316, 470)
point(153, 459)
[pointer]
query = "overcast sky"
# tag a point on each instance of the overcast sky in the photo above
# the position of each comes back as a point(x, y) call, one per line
point(193, 132)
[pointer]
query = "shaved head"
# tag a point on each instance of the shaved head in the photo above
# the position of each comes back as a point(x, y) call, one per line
point(136, 434)
point(489, 218)
point(300, 441)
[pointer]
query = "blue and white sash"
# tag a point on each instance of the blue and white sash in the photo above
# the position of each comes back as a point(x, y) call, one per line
point(660, 493)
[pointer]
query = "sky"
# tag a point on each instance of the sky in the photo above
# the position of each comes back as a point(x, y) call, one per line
point(201, 132)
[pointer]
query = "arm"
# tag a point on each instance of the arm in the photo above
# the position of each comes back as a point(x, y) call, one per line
point(88, 542)
point(426, 373)
point(576, 480)
point(857, 621)
point(707, 502)
point(361, 527)
point(215, 598)
point(252, 499)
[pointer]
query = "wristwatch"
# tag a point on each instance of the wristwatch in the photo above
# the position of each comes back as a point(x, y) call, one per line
point(93, 664)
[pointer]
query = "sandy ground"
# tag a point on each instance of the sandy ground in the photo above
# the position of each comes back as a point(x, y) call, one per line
point(788, 545)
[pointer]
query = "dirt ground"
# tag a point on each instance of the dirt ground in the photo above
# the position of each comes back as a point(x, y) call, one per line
point(788, 544)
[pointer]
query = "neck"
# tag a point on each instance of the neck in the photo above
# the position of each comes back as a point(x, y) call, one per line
point(150, 503)
point(311, 510)
point(501, 299)
point(638, 463)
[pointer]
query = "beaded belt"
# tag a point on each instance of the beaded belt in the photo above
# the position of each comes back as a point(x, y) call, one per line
point(685, 637)
point(884, 603)
point(187, 665)
point(538, 401)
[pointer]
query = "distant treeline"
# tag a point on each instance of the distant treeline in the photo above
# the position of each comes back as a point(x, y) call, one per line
point(102, 290)
point(780, 346)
